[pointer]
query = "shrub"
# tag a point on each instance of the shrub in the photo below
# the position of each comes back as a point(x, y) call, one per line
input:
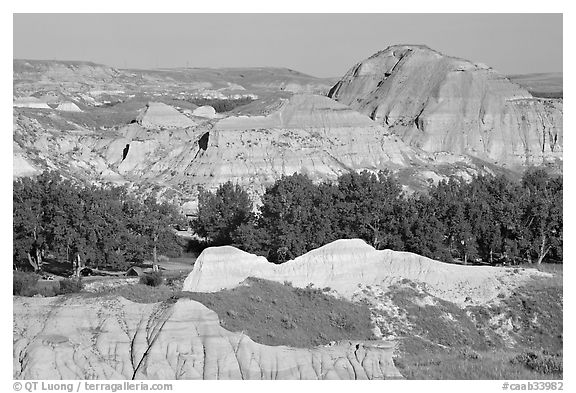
point(341, 321)
point(541, 363)
point(153, 279)
point(70, 285)
point(287, 323)
point(24, 284)
point(309, 291)
point(47, 288)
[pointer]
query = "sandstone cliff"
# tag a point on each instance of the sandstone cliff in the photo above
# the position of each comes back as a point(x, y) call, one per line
point(113, 338)
point(441, 103)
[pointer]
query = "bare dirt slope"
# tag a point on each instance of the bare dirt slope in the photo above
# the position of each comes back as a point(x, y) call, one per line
point(113, 338)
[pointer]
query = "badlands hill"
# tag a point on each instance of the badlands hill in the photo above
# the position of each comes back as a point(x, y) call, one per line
point(304, 133)
point(92, 84)
point(253, 79)
point(408, 109)
point(60, 71)
point(441, 103)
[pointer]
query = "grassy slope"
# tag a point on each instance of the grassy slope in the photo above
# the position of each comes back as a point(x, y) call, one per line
point(278, 314)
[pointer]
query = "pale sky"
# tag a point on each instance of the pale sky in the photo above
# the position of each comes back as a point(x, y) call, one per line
point(323, 45)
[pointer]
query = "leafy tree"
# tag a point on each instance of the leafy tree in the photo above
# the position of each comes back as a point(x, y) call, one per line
point(28, 222)
point(160, 218)
point(222, 212)
point(287, 214)
point(252, 238)
point(370, 207)
point(543, 214)
point(423, 232)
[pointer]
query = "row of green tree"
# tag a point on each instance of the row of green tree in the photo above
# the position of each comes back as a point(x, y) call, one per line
point(88, 225)
point(490, 218)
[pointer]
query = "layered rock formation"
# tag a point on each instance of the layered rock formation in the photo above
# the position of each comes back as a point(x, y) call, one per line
point(307, 134)
point(113, 338)
point(348, 265)
point(440, 103)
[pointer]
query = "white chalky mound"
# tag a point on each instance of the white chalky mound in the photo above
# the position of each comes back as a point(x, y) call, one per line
point(345, 265)
point(205, 111)
point(68, 107)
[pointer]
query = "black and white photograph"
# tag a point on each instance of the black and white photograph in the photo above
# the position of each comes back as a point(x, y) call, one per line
point(286, 196)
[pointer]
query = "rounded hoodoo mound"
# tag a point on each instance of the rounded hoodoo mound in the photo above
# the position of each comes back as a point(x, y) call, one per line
point(442, 103)
point(158, 115)
point(347, 265)
point(204, 111)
